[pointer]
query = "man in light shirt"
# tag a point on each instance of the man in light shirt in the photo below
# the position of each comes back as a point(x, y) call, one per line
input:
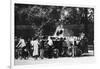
point(35, 47)
point(21, 44)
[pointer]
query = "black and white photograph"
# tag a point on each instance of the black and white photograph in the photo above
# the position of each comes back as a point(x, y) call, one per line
point(44, 33)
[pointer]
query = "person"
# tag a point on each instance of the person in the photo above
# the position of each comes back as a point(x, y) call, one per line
point(16, 50)
point(28, 48)
point(50, 43)
point(31, 47)
point(35, 47)
point(41, 48)
point(83, 43)
point(21, 45)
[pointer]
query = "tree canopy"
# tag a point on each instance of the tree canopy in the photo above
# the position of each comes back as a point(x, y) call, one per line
point(44, 17)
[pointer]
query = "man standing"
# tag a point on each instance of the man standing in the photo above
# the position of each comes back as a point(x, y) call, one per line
point(41, 48)
point(35, 47)
point(32, 47)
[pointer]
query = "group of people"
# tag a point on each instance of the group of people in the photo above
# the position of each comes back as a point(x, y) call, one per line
point(26, 48)
point(50, 47)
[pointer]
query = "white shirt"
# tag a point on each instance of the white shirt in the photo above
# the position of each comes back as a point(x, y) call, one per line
point(50, 41)
point(32, 43)
point(22, 43)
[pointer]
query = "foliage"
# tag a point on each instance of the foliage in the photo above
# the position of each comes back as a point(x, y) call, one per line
point(43, 18)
